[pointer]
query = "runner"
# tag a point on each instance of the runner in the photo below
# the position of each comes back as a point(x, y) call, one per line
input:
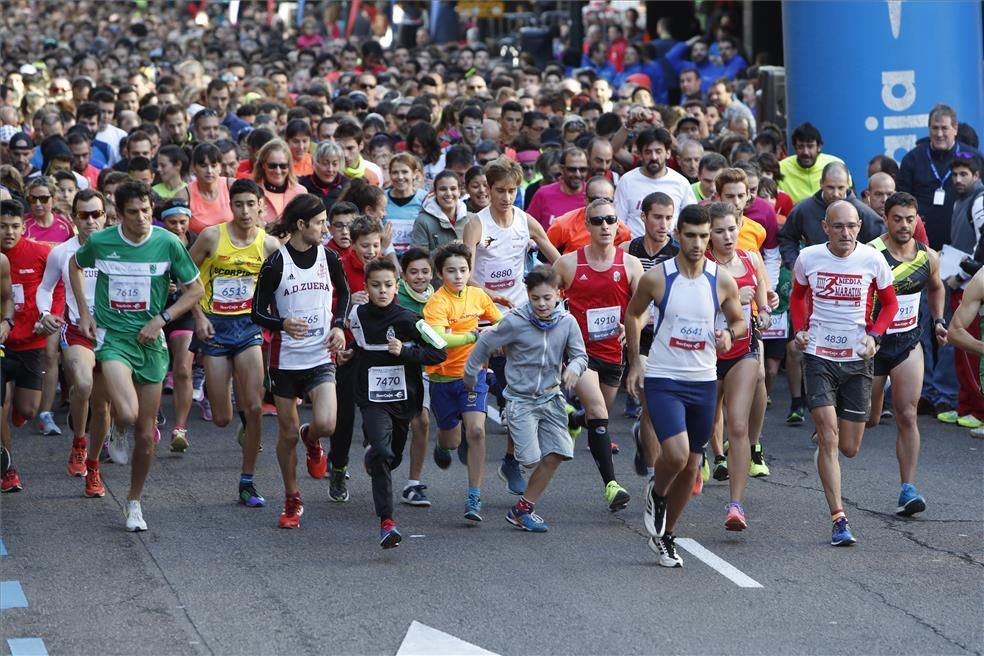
point(6, 323)
point(24, 350)
point(738, 367)
point(679, 377)
point(414, 292)
point(538, 338)
point(652, 248)
point(499, 240)
point(599, 279)
point(391, 344)
point(78, 357)
point(915, 267)
point(960, 333)
point(229, 257)
point(839, 339)
point(454, 312)
point(293, 299)
point(131, 289)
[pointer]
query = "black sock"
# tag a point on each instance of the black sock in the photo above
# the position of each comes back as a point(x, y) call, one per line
point(601, 448)
point(242, 418)
point(577, 419)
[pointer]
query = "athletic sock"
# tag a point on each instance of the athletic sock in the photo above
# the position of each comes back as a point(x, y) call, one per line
point(509, 457)
point(601, 448)
point(245, 479)
point(475, 491)
point(524, 505)
point(837, 514)
point(411, 483)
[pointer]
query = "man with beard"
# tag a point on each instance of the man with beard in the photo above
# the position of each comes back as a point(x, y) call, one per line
point(566, 194)
point(653, 147)
point(801, 172)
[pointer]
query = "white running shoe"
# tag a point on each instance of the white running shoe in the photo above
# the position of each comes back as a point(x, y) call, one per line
point(134, 517)
point(119, 446)
point(47, 425)
point(665, 548)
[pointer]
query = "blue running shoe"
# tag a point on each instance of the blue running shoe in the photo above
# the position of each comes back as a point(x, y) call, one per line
point(841, 534)
point(511, 475)
point(472, 507)
point(910, 501)
point(249, 497)
point(639, 461)
point(633, 409)
point(442, 456)
point(528, 521)
point(389, 536)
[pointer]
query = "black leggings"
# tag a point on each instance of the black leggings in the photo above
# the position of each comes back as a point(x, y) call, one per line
point(387, 437)
point(341, 439)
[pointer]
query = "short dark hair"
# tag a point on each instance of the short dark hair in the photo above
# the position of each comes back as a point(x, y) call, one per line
point(969, 162)
point(414, 254)
point(342, 207)
point(656, 198)
point(86, 195)
point(694, 215)
point(542, 274)
point(807, 132)
point(245, 186)
point(363, 226)
point(712, 162)
point(646, 137)
point(130, 190)
point(139, 164)
point(381, 264)
point(11, 207)
point(452, 249)
point(901, 199)
point(297, 127)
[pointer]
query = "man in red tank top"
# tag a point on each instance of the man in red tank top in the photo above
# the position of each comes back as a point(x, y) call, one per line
point(599, 279)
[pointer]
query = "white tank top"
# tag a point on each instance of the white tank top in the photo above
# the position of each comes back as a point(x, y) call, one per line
point(683, 345)
point(303, 293)
point(500, 257)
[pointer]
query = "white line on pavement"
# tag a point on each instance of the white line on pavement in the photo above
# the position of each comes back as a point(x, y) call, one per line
point(723, 567)
point(422, 640)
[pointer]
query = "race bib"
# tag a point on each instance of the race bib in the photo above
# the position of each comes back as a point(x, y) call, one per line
point(499, 279)
point(315, 322)
point(129, 293)
point(835, 342)
point(907, 316)
point(17, 291)
point(387, 384)
point(402, 230)
point(688, 334)
point(603, 323)
point(778, 327)
point(232, 294)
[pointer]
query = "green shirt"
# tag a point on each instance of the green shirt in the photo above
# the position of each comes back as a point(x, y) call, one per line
point(133, 280)
point(802, 183)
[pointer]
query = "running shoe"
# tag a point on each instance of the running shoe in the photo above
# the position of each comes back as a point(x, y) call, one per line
point(47, 425)
point(512, 476)
point(473, 505)
point(654, 516)
point(735, 520)
point(179, 440)
point(134, 517)
point(705, 468)
point(977, 433)
point(948, 416)
point(616, 496)
point(11, 482)
point(414, 496)
point(757, 467)
point(249, 497)
point(119, 446)
point(442, 456)
point(168, 386)
point(161, 419)
point(720, 472)
point(572, 429)
point(269, 410)
point(76, 461)
point(615, 448)
point(337, 488)
point(840, 535)
point(698, 485)
point(910, 501)
point(639, 460)
point(527, 521)
point(796, 416)
point(887, 413)
point(389, 536)
point(17, 419)
point(317, 462)
point(293, 509)
point(665, 548)
point(157, 436)
point(970, 421)
point(93, 484)
point(633, 409)
point(206, 409)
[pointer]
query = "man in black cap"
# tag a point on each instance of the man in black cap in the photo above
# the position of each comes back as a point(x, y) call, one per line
point(21, 152)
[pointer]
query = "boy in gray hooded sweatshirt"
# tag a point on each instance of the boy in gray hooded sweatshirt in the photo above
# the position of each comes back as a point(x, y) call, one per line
point(536, 338)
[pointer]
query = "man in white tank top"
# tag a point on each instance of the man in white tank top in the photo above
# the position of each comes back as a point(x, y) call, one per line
point(680, 375)
point(499, 241)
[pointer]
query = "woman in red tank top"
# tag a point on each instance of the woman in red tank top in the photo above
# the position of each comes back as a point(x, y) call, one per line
point(738, 369)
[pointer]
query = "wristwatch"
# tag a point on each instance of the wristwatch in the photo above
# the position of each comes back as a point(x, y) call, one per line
point(166, 316)
point(940, 322)
point(876, 337)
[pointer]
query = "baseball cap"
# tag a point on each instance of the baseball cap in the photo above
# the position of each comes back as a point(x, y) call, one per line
point(21, 140)
point(641, 79)
point(551, 136)
point(28, 69)
point(686, 119)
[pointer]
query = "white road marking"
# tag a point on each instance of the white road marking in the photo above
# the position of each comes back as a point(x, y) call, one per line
point(493, 414)
point(723, 567)
point(422, 640)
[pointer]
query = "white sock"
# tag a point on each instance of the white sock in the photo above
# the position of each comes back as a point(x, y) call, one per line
point(651, 471)
point(410, 483)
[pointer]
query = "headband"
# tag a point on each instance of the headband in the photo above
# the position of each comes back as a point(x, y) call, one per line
point(177, 209)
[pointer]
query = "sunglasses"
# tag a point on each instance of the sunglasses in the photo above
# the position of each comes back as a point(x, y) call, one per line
point(574, 126)
point(367, 86)
point(483, 162)
point(85, 215)
point(39, 199)
point(277, 165)
point(610, 219)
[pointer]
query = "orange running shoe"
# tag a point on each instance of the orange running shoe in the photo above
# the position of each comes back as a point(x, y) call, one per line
point(11, 482)
point(76, 461)
point(317, 462)
point(698, 484)
point(93, 483)
point(293, 509)
point(736, 517)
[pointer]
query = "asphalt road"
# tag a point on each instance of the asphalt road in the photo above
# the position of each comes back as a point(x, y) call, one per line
point(213, 577)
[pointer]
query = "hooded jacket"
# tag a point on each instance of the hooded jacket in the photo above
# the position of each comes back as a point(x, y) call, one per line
point(533, 355)
point(432, 229)
point(804, 226)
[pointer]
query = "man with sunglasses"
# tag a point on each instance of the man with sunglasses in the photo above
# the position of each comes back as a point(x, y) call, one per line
point(78, 358)
point(599, 279)
point(566, 194)
point(471, 123)
point(569, 231)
